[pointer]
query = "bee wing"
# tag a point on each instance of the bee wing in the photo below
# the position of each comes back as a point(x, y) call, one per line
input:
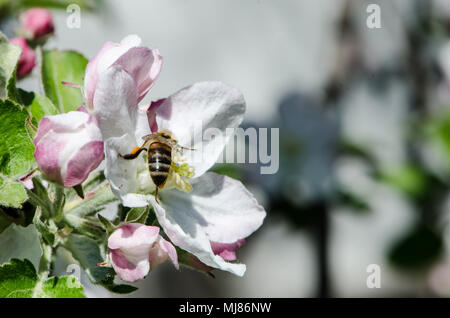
point(149, 137)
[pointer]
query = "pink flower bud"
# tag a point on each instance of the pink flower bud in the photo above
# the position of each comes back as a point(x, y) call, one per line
point(143, 64)
point(135, 249)
point(27, 59)
point(68, 147)
point(37, 23)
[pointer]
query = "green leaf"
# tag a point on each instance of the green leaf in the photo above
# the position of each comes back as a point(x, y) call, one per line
point(62, 287)
point(16, 153)
point(93, 202)
point(58, 202)
point(39, 197)
point(42, 106)
point(18, 279)
point(38, 105)
point(9, 56)
point(123, 289)
point(108, 225)
point(59, 66)
point(229, 170)
point(20, 242)
point(137, 215)
point(79, 190)
point(5, 221)
point(12, 194)
point(88, 253)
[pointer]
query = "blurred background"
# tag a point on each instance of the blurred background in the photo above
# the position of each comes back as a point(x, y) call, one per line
point(364, 124)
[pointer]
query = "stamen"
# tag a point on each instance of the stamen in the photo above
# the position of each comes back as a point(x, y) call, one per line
point(180, 172)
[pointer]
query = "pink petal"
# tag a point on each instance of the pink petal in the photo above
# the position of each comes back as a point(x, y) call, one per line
point(87, 159)
point(126, 270)
point(161, 251)
point(47, 156)
point(68, 146)
point(26, 179)
point(227, 250)
point(133, 235)
point(151, 114)
point(144, 65)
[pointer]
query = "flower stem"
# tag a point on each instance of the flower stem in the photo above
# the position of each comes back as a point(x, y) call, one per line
point(45, 267)
point(45, 263)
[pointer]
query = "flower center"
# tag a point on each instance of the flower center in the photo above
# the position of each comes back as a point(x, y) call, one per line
point(179, 173)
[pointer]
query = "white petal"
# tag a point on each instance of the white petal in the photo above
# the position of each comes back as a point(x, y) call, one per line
point(129, 179)
point(218, 209)
point(120, 173)
point(115, 103)
point(142, 126)
point(131, 40)
point(206, 107)
point(195, 242)
point(135, 200)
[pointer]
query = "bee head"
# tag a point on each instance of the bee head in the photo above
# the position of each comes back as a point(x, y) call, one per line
point(165, 134)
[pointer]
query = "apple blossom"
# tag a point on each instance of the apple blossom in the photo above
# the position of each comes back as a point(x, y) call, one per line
point(135, 249)
point(68, 146)
point(37, 23)
point(141, 63)
point(27, 59)
point(196, 207)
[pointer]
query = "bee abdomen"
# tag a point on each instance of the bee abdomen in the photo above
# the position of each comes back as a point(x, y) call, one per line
point(159, 163)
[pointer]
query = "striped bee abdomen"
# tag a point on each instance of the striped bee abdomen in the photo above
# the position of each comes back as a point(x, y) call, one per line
point(159, 161)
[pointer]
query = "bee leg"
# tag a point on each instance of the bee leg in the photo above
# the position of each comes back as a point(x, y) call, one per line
point(134, 153)
point(156, 195)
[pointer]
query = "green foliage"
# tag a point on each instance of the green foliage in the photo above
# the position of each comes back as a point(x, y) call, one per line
point(23, 216)
point(406, 178)
point(437, 134)
point(78, 208)
point(351, 201)
point(88, 253)
point(137, 215)
point(10, 55)
point(59, 4)
point(107, 224)
point(42, 106)
point(16, 153)
point(418, 249)
point(229, 170)
point(18, 279)
point(20, 242)
point(59, 66)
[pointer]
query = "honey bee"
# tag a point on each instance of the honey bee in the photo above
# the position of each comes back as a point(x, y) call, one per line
point(159, 147)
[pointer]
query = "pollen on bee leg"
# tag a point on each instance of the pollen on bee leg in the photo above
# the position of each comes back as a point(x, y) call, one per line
point(135, 149)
